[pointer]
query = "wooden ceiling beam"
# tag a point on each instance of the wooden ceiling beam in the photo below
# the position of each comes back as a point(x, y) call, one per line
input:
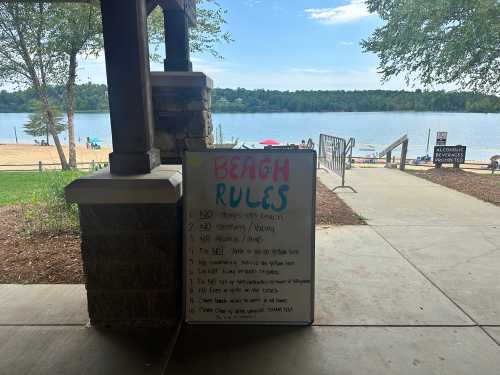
point(151, 5)
point(188, 6)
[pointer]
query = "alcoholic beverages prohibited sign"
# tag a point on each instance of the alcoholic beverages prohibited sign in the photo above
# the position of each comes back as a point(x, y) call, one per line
point(449, 154)
point(249, 236)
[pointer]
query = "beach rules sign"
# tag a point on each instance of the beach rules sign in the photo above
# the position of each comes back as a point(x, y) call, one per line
point(249, 218)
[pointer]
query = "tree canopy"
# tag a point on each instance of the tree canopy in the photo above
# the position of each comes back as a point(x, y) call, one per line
point(92, 97)
point(38, 123)
point(208, 33)
point(29, 56)
point(40, 44)
point(439, 42)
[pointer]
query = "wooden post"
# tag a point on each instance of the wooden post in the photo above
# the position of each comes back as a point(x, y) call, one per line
point(388, 159)
point(130, 103)
point(176, 41)
point(40, 169)
point(404, 152)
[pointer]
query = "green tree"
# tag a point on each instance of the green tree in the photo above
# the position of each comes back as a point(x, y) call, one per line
point(40, 45)
point(38, 124)
point(208, 33)
point(29, 57)
point(77, 32)
point(439, 42)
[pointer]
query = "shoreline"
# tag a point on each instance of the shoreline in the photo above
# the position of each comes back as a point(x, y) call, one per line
point(27, 157)
point(305, 112)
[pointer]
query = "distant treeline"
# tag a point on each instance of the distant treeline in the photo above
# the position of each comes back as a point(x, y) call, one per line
point(93, 97)
point(88, 97)
point(241, 100)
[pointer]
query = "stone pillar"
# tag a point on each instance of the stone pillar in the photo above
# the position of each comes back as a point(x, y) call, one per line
point(182, 111)
point(131, 231)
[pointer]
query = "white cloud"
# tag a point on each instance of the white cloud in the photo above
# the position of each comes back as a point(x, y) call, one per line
point(310, 71)
point(252, 3)
point(309, 78)
point(304, 78)
point(353, 11)
point(346, 43)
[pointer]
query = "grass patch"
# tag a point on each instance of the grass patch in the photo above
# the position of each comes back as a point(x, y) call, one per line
point(41, 196)
point(18, 187)
point(28, 187)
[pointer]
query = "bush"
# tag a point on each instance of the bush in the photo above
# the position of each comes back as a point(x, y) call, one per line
point(48, 211)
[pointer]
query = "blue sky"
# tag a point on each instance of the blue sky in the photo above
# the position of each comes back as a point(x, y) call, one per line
point(288, 45)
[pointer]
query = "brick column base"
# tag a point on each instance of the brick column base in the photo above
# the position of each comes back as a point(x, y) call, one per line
point(132, 263)
point(131, 231)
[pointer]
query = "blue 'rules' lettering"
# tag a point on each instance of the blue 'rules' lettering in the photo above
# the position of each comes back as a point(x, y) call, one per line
point(272, 198)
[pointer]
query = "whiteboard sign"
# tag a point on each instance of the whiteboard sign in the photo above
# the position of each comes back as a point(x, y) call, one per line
point(249, 236)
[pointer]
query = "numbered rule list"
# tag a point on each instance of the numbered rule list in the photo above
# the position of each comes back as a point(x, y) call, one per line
point(249, 236)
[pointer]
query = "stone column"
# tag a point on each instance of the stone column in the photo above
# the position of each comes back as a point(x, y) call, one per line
point(182, 111)
point(131, 229)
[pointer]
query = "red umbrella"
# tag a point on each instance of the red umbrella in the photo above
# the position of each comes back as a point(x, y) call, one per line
point(269, 142)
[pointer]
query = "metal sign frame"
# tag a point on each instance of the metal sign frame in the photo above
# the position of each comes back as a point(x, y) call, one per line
point(312, 244)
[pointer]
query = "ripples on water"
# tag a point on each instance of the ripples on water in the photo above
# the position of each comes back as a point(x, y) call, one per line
point(480, 132)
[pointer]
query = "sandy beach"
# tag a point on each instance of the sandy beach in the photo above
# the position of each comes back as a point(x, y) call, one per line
point(13, 156)
point(26, 157)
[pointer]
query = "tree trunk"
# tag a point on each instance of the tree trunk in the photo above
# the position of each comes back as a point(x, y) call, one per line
point(39, 82)
point(53, 133)
point(70, 94)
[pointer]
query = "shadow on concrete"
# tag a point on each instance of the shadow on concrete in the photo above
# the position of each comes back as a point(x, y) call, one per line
point(82, 350)
point(198, 346)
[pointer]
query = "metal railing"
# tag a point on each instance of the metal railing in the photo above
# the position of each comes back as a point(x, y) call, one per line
point(403, 141)
point(349, 147)
point(333, 152)
point(40, 166)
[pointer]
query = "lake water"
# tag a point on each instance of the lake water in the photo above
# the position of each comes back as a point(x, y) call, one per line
point(480, 132)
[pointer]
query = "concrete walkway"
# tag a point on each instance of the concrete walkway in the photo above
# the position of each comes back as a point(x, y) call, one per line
point(43, 331)
point(417, 291)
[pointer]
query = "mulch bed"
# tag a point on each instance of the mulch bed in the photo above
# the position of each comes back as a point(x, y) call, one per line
point(483, 186)
point(55, 259)
point(36, 259)
point(331, 210)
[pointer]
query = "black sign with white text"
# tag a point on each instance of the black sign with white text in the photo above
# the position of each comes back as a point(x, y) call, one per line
point(449, 154)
